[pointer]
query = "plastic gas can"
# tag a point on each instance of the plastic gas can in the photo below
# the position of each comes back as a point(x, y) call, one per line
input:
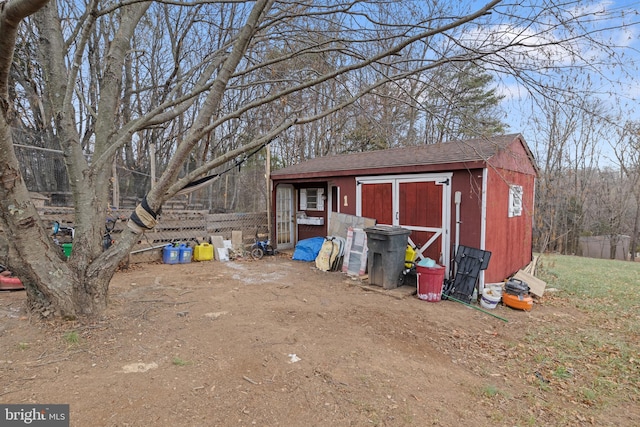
point(203, 252)
point(170, 254)
point(184, 254)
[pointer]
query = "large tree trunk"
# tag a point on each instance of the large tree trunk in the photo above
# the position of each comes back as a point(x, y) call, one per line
point(78, 286)
point(55, 286)
point(31, 252)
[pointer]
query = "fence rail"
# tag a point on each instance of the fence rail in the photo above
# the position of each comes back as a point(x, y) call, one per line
point(194, 226)
point(175, 227)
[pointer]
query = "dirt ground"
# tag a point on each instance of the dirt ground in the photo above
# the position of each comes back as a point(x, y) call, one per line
point(276, 342)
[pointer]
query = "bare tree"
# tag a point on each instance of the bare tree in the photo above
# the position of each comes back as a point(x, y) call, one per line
point(609, 207)
point(567, 142)
point(209, 83)
point(627, 151)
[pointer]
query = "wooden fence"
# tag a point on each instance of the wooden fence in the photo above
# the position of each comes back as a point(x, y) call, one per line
point(185, 227)
point(176, 227)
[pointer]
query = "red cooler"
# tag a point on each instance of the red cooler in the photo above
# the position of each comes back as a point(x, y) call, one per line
point(430, 282)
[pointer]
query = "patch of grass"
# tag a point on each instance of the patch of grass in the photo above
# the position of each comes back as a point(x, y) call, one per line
point(23, 345)
point(611, 280)
point(544, 386)
point(540, 358)
point(177, 361)
point(589, 395)
point(605, 387)
point(598, 341)
point(71, 337)
point(562, 373)
point(490, 391)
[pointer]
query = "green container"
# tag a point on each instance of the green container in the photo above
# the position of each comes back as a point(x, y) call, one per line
point(66, 247)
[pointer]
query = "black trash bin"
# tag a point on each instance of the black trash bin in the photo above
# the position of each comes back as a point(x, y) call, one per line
point(387, 247)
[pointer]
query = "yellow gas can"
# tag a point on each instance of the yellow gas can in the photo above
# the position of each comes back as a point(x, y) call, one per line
point(203, 252)
point(409, 257)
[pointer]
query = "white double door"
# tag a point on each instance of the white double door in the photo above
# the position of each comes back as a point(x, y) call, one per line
point(420, 203)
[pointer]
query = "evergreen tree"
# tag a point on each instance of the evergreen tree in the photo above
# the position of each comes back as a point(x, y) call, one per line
point(461, 102)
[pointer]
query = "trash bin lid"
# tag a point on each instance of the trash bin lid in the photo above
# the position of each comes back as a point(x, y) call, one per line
point(387, 230)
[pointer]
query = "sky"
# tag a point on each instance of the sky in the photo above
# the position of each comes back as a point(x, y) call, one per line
point(616, 90)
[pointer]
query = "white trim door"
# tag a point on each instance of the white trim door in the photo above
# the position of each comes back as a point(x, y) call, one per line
point(284, 217)
point(420, 203)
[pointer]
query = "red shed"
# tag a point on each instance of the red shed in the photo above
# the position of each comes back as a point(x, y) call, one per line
point(477, 193)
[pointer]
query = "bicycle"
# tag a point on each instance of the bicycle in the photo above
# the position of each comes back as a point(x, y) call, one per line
point(62, 234)
point(107, 240)
point(261, 248)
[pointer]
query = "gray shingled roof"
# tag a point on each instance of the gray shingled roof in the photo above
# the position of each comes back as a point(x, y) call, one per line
point(472, 150)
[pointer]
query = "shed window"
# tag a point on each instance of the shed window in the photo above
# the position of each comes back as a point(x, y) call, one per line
point(515, 200)
point(312, 199)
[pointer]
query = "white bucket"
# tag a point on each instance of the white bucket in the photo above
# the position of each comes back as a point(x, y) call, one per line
point(496, 288)
point(490, 298)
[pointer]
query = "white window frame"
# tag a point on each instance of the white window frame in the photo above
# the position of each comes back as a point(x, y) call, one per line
point(515, 200)
point(305, 204)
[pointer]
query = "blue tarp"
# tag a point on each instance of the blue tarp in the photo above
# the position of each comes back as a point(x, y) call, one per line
point(308, 249)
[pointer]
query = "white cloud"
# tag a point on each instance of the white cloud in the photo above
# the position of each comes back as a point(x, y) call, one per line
point(539, 38)
point(599, 8)
point(511, 91)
